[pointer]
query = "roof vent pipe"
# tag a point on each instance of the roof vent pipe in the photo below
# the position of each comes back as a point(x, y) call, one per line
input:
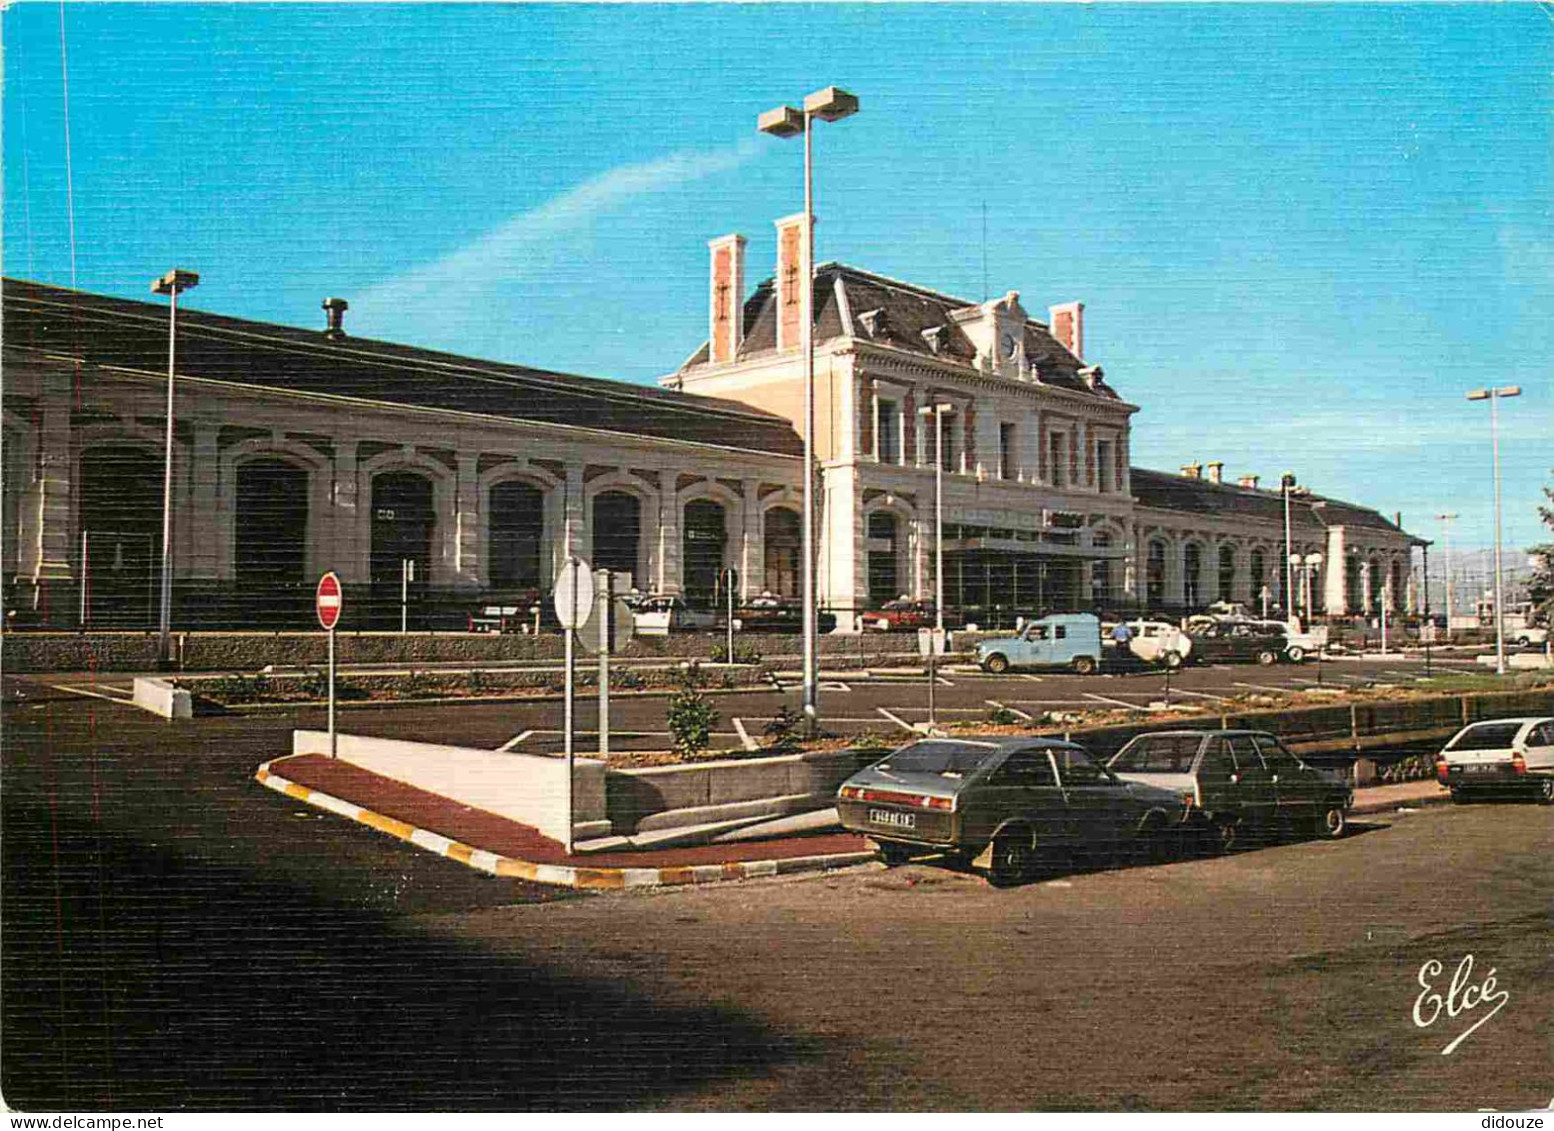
point(334, 309)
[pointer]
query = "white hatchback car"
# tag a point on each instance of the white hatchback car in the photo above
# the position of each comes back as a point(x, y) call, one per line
point(1500, 756)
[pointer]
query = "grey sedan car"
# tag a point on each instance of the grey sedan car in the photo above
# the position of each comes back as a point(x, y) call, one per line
point(1026, 797)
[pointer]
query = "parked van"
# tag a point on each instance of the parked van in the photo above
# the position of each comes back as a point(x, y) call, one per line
point(1063, 640)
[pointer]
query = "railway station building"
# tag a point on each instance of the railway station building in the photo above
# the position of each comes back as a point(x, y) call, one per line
point(300, 450)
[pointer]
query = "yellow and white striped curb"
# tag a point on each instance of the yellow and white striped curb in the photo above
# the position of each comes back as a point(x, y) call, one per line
point(558, 874)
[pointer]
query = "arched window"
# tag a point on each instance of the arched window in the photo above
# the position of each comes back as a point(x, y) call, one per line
point(1155, 574)
point(271, 527)
point(403, 518)
point(1192, 575)
point(516, 517)
point(120, 511)
point(1101, 593)
point(617, 532)
point(703, 537)
point(1227, 572)
point(782, 542)
point(884, 578)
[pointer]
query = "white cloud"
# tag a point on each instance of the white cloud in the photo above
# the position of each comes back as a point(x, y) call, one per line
point(513, 248)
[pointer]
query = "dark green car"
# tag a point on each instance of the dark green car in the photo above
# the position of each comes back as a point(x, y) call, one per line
point(1240, 781)
point(1027, 798)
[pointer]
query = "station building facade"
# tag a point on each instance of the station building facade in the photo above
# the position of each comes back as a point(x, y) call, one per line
point(297, 451)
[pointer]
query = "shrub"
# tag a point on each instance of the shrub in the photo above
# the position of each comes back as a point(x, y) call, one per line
point(1002, 717)
point(871, 742)
point(626, 679)
point(743, 654)
point(691, 716)
point(783, 732)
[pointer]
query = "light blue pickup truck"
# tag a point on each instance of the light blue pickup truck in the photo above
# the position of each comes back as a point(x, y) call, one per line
point(1063, 640)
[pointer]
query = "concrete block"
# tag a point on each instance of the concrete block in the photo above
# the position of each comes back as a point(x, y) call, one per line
point(161, 698)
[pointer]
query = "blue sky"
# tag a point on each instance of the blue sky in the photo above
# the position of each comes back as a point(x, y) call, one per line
point(1301, 232)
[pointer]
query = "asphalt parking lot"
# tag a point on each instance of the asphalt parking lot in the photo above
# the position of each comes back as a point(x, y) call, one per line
point(178, 937)
point(890, 705)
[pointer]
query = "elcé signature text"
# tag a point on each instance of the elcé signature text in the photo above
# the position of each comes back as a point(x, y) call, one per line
point(1462, 996)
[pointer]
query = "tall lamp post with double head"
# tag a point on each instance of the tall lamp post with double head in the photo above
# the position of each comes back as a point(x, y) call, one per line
point(829, 105)
point(172, 284)
point(1493, 396)
point(1446, 521)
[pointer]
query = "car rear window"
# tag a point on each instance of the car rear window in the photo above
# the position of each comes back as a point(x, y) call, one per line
point(937, 758)
point(1160, 754)
point(1486, 736)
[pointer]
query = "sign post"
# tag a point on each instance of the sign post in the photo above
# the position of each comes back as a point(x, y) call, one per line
point(930, 642)
point(730, 578)
point(406, 576)
point(574, 601)
point(605, 593)
point(328, 601)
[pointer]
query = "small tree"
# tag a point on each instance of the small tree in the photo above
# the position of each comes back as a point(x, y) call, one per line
point(1540, 587)
point(691, 715)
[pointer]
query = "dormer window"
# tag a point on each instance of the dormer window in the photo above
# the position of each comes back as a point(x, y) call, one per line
point(874, 323)
point(936, 337)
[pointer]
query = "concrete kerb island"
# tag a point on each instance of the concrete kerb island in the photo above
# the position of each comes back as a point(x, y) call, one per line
point(663, 807)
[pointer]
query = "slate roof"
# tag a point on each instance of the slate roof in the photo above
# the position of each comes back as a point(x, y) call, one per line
point(1165, 491)
point(906, 311)
point(133, 335)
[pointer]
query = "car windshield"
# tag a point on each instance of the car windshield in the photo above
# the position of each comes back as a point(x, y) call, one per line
point(948, 759)
point(1160, 754)
point(1489, 736)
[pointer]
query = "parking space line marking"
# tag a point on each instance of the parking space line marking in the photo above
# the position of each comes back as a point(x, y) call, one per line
point(1032, 678)
point(898, 720)
point(744, 735)
point(943, 682)
point(834, 685)
point(514, 741)
point(1015, 711)
point(73, 690)
point(1201, 694)
point(1118, 702)
point(1050, 702)
point(1264, 687)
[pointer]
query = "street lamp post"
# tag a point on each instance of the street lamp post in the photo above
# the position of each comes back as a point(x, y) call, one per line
point(937, 412)
point(1493, 396)
point(171, 284)
point(830, 105)
point(1312, 562)
point(1446, 521)
point(1286, 485)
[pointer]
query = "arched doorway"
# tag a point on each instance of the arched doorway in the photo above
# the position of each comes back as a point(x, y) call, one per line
point(782, 544)
point(1192, 575)
point(515, 528)
point(617, 533)
point(1227, 573)
point(702, 540)
point(120, 517)
point(1155, 575)
point(403, 519)
point(269, 548)
point(884, 573)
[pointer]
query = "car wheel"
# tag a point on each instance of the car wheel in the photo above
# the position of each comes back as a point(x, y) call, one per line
point(997, 664)
point(1013, 857)
point(1331, 822)
point(1173, 660)
point(1267, 657)
point(1546, 791)
point(1296, 654)
point(894, 854)
point(1523, 641)
point(1084, 665)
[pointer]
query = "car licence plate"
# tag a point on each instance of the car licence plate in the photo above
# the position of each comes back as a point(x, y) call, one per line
point(896, 820)
point(1480, 768)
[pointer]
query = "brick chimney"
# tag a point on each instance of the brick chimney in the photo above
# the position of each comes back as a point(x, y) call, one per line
point(1068, 326)
point(1216, 471)
point(726, 297)
point(1249, 481)
point(334, 313)
point(1192, 470)
point(792, 271)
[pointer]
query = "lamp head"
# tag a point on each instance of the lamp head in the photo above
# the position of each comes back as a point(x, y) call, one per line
point(831, 104)
point(174, 282)
point(784, 121)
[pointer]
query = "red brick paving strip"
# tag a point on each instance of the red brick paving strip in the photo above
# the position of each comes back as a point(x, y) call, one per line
point(481, 829)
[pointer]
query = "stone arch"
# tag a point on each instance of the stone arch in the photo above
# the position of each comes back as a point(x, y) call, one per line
point(228, 519)
point(1157, 567)
point(1226, 568)
point(1195, 560)
point(782, 540)
point(507, 545)
point(616, 552)
point(116, 500)
point(378, 534)
point(887, 556)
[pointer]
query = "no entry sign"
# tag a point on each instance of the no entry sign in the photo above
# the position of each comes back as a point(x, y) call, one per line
point(329, 600)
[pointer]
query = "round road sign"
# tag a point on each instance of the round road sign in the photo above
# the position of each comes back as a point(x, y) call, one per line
point(329, 599)
point(574, 594)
